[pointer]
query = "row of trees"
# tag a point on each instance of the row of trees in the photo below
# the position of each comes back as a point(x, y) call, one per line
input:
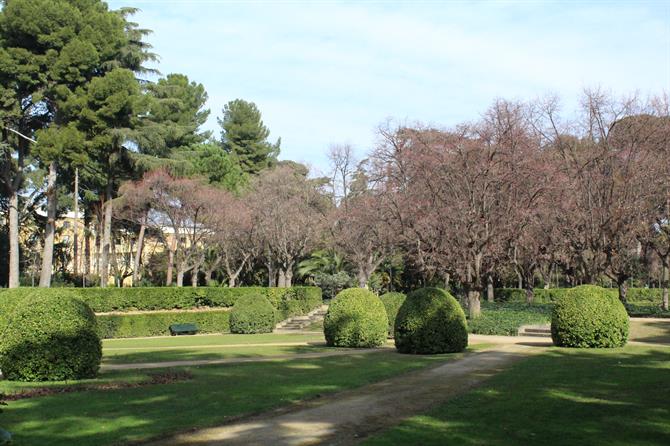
point(79, 117)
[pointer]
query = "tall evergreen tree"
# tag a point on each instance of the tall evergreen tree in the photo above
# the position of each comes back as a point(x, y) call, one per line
point(245, 136)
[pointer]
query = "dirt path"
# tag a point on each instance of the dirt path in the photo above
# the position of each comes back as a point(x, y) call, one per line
point(346, 417)
point(165, 364)
point(222, 346)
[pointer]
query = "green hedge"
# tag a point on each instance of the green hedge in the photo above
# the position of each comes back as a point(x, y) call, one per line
point(288, 301)
point(252, 314)
point(542, 296)
point(505, 318)
point(589, 317)
point(430, 321)
point(392, 302)
point(49, 338)
point(157, 324)
point(355, 318)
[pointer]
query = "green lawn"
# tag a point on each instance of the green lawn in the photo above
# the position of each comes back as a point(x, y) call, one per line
point(215, 394)
point(654, 331)
point(566, 396)
point(184, 348)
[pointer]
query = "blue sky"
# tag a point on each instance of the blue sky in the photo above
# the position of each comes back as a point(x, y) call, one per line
point(327, 72)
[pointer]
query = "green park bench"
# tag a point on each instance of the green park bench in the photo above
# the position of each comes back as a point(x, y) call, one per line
point(183, 329)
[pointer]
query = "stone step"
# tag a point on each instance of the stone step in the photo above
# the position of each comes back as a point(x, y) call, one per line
point(537, 330)
point(300, 322)
point(540, 331)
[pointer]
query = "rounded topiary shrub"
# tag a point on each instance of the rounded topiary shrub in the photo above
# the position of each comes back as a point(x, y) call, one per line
point(355, 318)
point(392, 303)
point(588, 316)
point(252, 314)
point(430, 321)
point(49, 338)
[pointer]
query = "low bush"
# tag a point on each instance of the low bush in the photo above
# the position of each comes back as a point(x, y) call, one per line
point(49, 338)
point(392, 303)
point(157, 324)
point(589, 316)
point(252, 314)
point(505, 318)
point(430, 321)
point(355, 318)
point(288, 301)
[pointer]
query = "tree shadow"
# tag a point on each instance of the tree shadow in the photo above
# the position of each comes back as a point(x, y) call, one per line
point(216, 394)
point(576, 397)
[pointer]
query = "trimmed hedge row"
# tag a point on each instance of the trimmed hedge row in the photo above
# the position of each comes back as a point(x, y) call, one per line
point(288, 301)
point(543, 296)
point(157, 324)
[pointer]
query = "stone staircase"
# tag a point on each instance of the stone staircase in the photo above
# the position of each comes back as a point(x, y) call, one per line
point(540, 331)
point(297, 323)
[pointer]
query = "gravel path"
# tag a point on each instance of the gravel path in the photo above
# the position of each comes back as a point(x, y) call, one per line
point(346, 417)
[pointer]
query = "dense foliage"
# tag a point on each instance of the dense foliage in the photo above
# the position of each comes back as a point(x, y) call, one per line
point(505, 319)
point(430, 321)
point(157, 324)
point(587, 316)
point(252, 314)
point(49, 338)
point(392, 303)
point(355, 318)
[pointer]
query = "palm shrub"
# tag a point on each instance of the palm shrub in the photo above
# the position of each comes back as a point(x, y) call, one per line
point(588, 316)
point(355, 318)
point(392, 303)
point(430, 321)
point(252, 314)
point(49, 338)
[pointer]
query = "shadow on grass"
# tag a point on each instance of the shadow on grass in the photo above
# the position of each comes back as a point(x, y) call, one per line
point(655, 332)
point(575, 397)
point(215, 395)
point(197, 353)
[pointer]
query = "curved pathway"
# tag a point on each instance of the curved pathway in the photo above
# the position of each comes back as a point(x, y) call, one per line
point(345, 417)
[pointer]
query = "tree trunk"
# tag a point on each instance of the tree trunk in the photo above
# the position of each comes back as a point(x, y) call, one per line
point(170, 265)
point(474, 304)
point(180, 277)
point(623, 291)
point(530, 294)
point(489, 289)
point(87, 244)
point(519, 280)
point(106, 240)
point(14, 239)
point(666, 278)
point(231, 281)
point(194, 277)
point(50, 230)
point(75, 225)
point(138, 255)
point(281, 280)
point(271, 275)
point(288, 277)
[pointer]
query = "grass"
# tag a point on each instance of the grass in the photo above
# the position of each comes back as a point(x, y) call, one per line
point(190, 348)
point(566, 396)
point(653, 331)
point(214, 395)
point(504, 319)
